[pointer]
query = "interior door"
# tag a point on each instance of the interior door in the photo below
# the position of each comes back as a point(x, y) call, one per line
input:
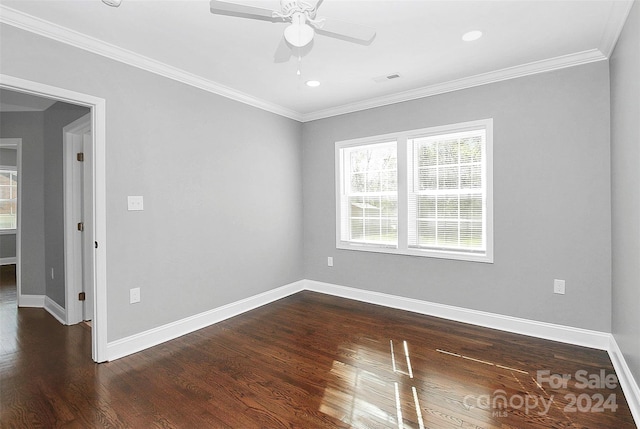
point(87, 239)
point(79, 228)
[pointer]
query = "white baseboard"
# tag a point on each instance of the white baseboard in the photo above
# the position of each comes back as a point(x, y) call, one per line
point(36, 301)
point(565, 334)
point(55, 310)
point(8, 261)
point(625, 377)
point(42, 301)
point(548, 331)
point(152, 337)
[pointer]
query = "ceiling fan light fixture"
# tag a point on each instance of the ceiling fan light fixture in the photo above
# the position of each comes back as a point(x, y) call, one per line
point(299, 33)
point(313, 83)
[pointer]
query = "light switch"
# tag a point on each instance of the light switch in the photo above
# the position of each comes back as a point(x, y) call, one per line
point(134, 295)
point(135, 203)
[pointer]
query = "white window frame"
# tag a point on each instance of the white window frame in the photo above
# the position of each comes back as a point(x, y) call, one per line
point(404, 156)
point(345, 194)
point(12, 170)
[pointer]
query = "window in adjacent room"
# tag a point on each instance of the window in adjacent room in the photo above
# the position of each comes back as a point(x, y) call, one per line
point(423, 192)
point(8, 199)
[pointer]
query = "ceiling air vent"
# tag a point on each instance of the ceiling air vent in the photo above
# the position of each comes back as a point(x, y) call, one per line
point(386, 78)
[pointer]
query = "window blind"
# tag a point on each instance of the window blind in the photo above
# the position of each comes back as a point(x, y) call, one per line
point(447, 193)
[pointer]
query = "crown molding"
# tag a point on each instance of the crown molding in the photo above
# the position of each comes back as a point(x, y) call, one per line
point(536, 67)
point(65, 35)
point(617, 18)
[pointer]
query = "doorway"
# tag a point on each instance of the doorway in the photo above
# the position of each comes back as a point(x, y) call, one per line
point(10, 201)
point(94, 262)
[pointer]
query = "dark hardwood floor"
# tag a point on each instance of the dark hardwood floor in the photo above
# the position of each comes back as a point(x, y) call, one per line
point(306, 361)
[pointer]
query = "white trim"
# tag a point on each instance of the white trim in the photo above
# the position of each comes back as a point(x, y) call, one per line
point(523, 70)
point(98, 120)
point(565, 334)
point(548, 331)
point(99, 323)
point(402, 141)
point(152, 337)
point(65, 35)
point(9, 261)
point(55, 310)
point(625, 377)
point(617, 17)
point(35, 301)
point(17, 142)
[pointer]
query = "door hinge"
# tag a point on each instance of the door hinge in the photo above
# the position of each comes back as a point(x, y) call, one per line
point(81, 296)
point(80, 156)
point(80, 226)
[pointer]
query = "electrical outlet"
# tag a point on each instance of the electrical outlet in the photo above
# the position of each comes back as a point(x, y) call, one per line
point(134, 295)
point(558, 286)
point(135, 203)
point(330, 261)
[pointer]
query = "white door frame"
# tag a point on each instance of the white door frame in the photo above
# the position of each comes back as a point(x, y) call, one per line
point(17, 144)
point(75, 194)
point(99, 226)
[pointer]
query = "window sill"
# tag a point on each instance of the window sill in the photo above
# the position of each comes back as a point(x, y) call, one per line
point(486, 258)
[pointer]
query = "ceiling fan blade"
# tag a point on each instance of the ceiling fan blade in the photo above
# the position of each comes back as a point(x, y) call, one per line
point(220, 7)
point(283, 52)
point(347, 31)
point(314, 12)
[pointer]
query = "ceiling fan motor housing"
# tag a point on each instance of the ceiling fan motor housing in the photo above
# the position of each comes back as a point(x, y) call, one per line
point(301, 14)
point(290, 7)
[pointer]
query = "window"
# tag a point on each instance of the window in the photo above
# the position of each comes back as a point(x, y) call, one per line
point(423, 192)
point(370, 196)
point(8, 199)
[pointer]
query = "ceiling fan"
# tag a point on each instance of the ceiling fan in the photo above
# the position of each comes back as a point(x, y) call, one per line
point(303, 23)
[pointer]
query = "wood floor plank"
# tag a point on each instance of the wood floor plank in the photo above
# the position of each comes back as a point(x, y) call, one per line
point(306, 361)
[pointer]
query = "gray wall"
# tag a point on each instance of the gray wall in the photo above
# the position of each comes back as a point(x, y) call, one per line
point(221, 182)
point(224, 206)
point(29, 127)
point(8, 158)
point(56, 118)
point(625, 169)
point(551, 200)
point(7, 245)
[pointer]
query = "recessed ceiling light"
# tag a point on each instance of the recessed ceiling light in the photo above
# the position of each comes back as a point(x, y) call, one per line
point(471, 36)
point(313, 83)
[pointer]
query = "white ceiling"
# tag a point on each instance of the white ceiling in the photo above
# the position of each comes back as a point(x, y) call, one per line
point(419, 39)
point(11, 101)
